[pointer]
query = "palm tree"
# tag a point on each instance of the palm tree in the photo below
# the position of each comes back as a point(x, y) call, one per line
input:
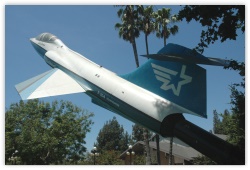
point(170, 160)
point(147, 24)
point(129, 28)
point(163, 21)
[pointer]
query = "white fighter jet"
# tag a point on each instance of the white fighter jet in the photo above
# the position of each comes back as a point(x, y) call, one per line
point(146, 96)
point(155, 95)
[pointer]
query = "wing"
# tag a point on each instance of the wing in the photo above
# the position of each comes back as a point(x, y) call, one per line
point(51, 83)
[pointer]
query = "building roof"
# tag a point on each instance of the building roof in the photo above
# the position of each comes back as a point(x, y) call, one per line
point(180, 149)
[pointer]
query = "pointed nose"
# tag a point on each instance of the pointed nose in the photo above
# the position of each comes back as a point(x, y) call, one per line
point(32, 39)
point(40, 50)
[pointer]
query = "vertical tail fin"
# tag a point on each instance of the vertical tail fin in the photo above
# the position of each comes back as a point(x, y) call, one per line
point(182, 84)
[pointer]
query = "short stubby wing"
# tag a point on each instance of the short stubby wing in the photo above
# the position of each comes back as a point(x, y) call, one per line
point(51, 83)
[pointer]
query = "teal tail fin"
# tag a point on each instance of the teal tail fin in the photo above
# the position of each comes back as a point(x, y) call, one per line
point(181, 83)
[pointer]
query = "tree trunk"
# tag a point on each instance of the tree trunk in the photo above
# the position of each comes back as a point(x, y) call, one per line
point(171, 151)
point(135, 53)
point(165, 35)
point(147, 149)
point(158, 149)
point(146, 40)
point(165, 42)
point(44, 159)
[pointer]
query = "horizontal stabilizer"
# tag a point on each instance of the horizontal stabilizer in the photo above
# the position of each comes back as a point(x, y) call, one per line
point(177, 53)
point(51, 83)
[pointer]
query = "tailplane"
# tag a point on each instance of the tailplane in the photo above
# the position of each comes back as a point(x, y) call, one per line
point(178, 53)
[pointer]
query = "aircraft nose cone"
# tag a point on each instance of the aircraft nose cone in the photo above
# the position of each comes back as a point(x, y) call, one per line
point(40, 50)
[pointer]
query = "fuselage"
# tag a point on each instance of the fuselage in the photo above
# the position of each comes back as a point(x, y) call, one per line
point(106, 88)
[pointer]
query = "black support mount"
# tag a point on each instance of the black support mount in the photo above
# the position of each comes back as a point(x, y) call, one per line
point(222, 152)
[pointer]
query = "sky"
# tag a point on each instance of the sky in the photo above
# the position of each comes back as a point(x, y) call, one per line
point(89, 30)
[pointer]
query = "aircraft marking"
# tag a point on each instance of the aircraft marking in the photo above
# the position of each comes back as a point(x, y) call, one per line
point(164, 75)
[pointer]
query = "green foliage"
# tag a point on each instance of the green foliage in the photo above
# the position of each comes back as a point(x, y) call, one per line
point(45, 133)
point(237, 135)
point(111, 142)
point(221, 21)
point(109, 157)
point(226, 124)
point(137, 133)
point(218, 124)
point(239, 67)
point(136, 18)
point(142, 134)
point(146, 19)
point(139, 159)
point(129, 28)
point(163, 21)
point(202, 160)
point(237, 121)
point(147, 23)
point(88, 159)
point(112, 137)
point(236, 125)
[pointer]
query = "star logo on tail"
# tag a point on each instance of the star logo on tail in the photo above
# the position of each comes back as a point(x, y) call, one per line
point(166, 75)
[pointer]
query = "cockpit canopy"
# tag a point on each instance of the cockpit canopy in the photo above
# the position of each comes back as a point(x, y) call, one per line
point(49, 38)
point(46, 37)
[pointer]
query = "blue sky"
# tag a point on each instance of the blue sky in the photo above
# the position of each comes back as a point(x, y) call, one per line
point(89, 30)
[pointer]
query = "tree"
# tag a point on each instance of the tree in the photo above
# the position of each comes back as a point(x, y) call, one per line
point(140, 133)
point(221, 22)
point(129, 28)
point(163, 19)
point(109, 157)
point(234, 123)
point(237, 134)
point(202, 160)
point(139, 159)
point(217, 128)
point(112, 137)
point(45, 133)
point(127, 140)
point(137, 133)
point(147, 148)
point(147, 24)
point(111, 142)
